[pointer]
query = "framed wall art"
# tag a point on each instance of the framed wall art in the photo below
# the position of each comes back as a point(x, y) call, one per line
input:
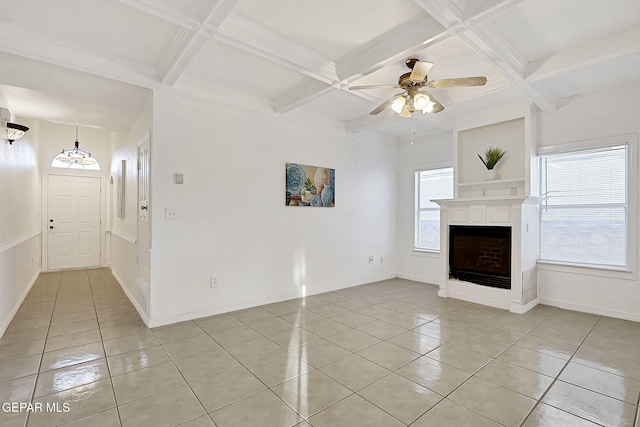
point(310, 186)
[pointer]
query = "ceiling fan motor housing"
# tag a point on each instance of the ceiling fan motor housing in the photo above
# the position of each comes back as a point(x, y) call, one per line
point(411, 62)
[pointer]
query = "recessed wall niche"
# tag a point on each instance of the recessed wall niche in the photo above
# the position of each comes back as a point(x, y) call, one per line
point(470, 172)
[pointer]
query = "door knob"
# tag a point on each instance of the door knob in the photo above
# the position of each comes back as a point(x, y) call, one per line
point(51, 227)
point(143, 208)
point(51, 220)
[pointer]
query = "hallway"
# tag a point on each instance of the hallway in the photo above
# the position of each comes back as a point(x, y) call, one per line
point(389, 353)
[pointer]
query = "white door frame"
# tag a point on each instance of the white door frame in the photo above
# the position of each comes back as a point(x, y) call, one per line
point(145, 288)
point(45, 211)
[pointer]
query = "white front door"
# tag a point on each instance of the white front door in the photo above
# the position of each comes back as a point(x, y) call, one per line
point(143, 241)
point(73, 223)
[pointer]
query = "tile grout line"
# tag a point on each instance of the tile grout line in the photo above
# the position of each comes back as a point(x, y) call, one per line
point(485, 364)
point(182, 375)
point(113, 389)
point(556, 378)
point(44, 346)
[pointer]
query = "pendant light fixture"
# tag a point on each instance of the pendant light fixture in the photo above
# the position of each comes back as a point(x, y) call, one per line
point(75, 158)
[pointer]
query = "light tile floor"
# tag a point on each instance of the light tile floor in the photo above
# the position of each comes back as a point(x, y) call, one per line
point(390, 353)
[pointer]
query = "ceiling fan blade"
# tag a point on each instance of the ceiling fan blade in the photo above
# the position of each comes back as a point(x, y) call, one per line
point(385, 104)
point(372, 87)
point(420, 70)
point(436, 108)
point(462, 81)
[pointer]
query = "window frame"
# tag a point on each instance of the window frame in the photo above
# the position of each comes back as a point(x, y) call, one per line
point(628, 272)
point(418, 209)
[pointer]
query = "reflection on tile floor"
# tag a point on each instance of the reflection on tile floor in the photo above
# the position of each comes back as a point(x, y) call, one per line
point(390, 353)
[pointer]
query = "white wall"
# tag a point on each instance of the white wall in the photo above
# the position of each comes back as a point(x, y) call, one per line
point(233, 223)
point(123, 231)
point(19, 219)
point(426, 153)
point(600, 115)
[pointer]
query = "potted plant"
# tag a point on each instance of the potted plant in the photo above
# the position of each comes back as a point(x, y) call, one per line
point(492, 156)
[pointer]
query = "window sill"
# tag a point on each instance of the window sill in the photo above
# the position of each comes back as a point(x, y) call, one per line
point(423, 252)
point(588, 270)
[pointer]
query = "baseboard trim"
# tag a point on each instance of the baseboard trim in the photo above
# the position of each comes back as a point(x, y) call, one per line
point(416, 279)
point(139, 309)
point(523, 308)
point(590, 309)
point(16, 307)
point(182, 317)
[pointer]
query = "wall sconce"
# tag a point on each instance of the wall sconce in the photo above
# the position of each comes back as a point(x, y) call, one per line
point(10, 131)
point(15, 132)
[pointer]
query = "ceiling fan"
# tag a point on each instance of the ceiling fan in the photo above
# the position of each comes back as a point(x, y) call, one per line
point(412, 98)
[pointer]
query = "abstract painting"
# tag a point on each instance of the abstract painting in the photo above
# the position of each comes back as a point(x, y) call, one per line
point(310, 186)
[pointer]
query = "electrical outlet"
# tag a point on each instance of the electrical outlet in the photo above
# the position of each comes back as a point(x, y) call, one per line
point(213, 282)
point(514, 191)
point(171, 213)
point(371, 258)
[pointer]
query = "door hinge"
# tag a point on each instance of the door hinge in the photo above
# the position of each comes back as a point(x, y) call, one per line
point(137, 262)
point(139, 165)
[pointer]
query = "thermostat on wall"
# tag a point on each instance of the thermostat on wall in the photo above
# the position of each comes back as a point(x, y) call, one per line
point(179, 178)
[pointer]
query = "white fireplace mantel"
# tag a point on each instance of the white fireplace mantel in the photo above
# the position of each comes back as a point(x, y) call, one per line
point(518, 212)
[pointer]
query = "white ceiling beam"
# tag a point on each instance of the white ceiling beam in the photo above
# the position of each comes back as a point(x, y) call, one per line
point(300, 95)
point(211, 92)
point(189, 43)
point(393, 46)
point(166, 11)
point(240, 32)
point(444, 11)
point(17, 41)
point(244, 34)
point(490, 45)
point(586, 55)
point(494, 54)
point(485, 9)
point(366, 122)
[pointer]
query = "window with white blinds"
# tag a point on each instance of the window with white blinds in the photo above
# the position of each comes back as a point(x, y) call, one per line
point(584, 212)
point(431, 184)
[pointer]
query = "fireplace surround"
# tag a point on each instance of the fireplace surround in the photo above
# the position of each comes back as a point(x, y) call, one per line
point(500, 270)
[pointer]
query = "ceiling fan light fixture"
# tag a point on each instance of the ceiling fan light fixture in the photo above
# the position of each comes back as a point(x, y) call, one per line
point(428, 108)
point(398, 104)
point(420, 101)
point(405, 111)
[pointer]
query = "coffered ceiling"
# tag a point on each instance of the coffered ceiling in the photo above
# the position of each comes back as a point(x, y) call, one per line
point(93, 63)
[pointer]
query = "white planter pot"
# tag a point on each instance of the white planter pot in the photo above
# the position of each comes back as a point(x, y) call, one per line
point(491, 175)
